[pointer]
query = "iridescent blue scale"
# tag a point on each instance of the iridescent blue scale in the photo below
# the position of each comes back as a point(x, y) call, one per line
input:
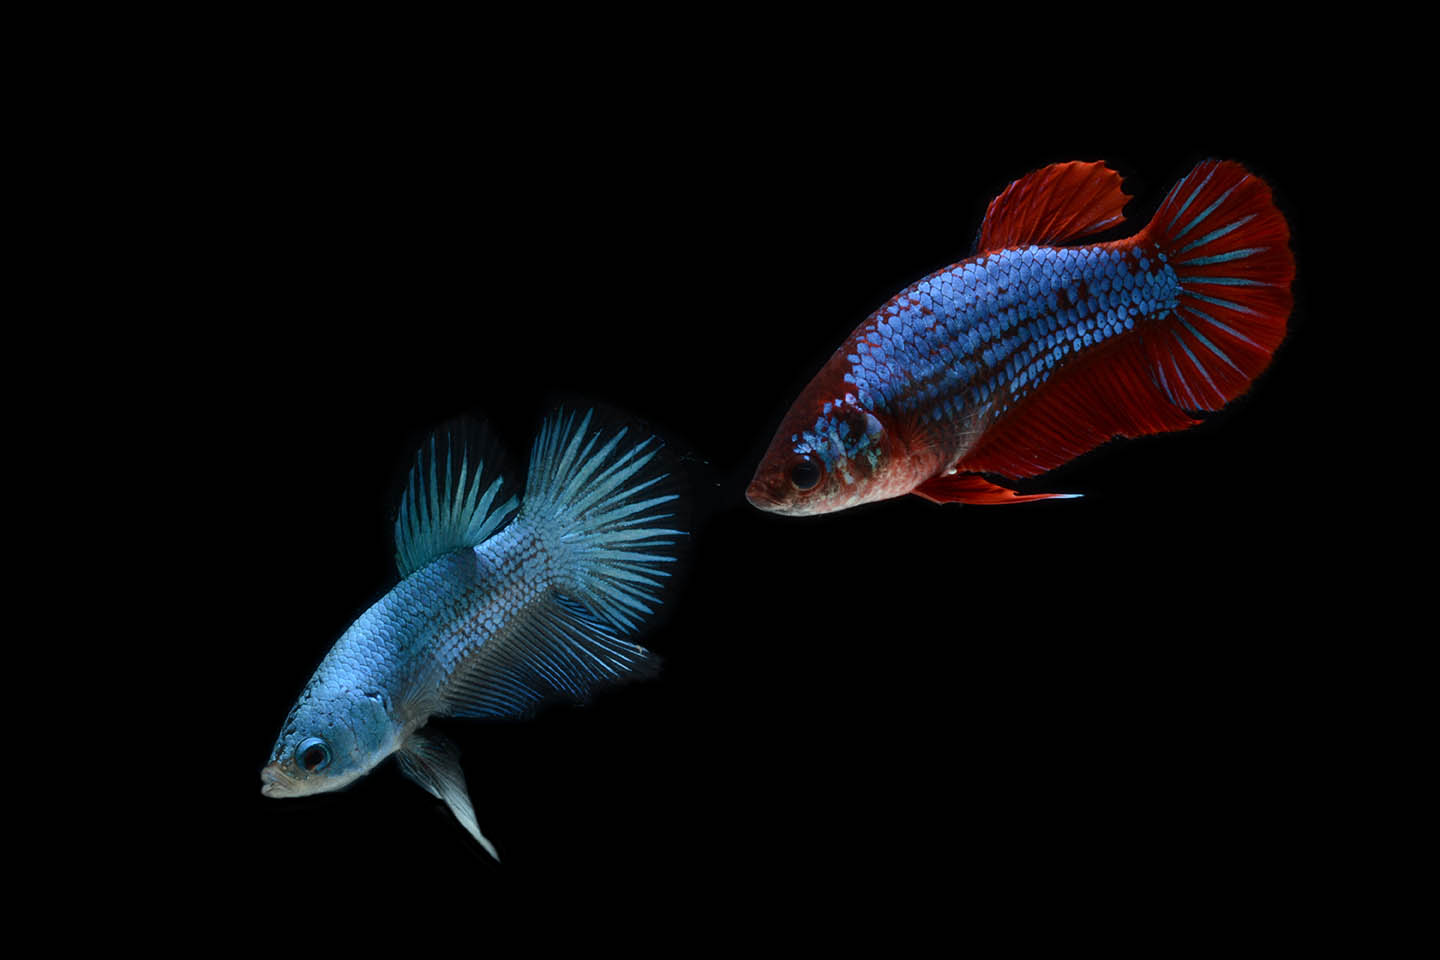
point(986, 332)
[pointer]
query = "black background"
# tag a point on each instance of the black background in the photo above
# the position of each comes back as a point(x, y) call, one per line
point(1106, 693)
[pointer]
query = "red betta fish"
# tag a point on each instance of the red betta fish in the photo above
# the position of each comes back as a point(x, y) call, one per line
point(1028, 354)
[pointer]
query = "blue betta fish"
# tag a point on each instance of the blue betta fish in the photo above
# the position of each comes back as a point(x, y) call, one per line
point(504, 602)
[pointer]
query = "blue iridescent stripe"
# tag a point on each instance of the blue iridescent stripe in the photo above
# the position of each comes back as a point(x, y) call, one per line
point(1196, 193)
point(1195, 311)
point(1222, 303)
point(1198, 365)
point(1214, 233)
point(1208, 210)
point(1221, 257)
point(1213, 349)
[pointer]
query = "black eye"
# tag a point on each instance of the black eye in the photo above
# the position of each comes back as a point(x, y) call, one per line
point(805, 474)
point(312, 755)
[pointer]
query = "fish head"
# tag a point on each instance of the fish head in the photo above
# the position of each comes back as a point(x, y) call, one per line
point(831, 452)
point(328, 741)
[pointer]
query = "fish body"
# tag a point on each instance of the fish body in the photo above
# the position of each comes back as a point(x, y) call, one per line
point(1029, 353)
point(503, 604)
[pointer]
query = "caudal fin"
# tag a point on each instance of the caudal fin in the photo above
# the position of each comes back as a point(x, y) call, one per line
point(1220, 231)
point(600, 504)
point(1227, 246)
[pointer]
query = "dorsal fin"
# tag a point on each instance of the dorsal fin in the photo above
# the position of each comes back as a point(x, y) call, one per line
point(1054, 204)
point(453, 498)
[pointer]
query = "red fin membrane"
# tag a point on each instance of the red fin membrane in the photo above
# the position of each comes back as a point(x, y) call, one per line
point(968, 488)
point(1054, 204)
point(1229, 248)
point(1109, 394)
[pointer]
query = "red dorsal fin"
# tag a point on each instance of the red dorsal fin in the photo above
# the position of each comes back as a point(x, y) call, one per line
point(1052, 205)
point(1227, 244)
point(968, 488)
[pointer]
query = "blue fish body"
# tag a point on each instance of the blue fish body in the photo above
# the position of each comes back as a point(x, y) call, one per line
point(1000, 325)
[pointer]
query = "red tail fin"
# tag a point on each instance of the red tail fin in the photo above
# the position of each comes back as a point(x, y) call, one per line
point(1229, 247)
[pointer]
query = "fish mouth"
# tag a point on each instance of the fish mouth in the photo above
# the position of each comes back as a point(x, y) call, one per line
point(760, 497)
point(764, 496)
point(274, 782)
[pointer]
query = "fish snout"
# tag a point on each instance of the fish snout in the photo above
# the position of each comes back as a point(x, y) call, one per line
point(761, 496)
point(274, 782)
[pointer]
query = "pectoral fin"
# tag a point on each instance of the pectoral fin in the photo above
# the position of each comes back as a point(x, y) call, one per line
point(433, 762)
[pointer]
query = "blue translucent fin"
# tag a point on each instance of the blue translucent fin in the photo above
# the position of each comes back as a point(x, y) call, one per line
point(451, 500)
point(598, 501)
point(555, 649)
point(433, 762)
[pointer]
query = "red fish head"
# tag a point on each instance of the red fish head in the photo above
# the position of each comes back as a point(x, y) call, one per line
point(830, 453)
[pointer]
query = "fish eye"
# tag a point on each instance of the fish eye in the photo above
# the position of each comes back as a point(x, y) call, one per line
point(312, 755)
point(805, 474)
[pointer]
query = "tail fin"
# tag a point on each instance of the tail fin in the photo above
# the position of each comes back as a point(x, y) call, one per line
point(1220, 231)
point(598, 505)
point(1227, 246)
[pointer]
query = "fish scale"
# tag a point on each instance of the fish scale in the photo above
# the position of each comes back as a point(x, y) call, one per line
point(1047, 305)
point(417, 636)
point(392, 643)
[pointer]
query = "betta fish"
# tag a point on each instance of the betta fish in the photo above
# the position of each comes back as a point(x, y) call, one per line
point(504, 602)
point(1029, 353)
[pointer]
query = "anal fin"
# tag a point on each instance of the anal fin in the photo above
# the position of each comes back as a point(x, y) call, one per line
point(970, 488)
point(555, 649)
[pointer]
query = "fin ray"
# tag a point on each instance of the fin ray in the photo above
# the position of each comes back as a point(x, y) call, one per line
point(1228, 317)
point(1054, 204)
point(440, 512)
point(969, 488)
point(556, 649)
point(602, 507)
point(433, 762)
